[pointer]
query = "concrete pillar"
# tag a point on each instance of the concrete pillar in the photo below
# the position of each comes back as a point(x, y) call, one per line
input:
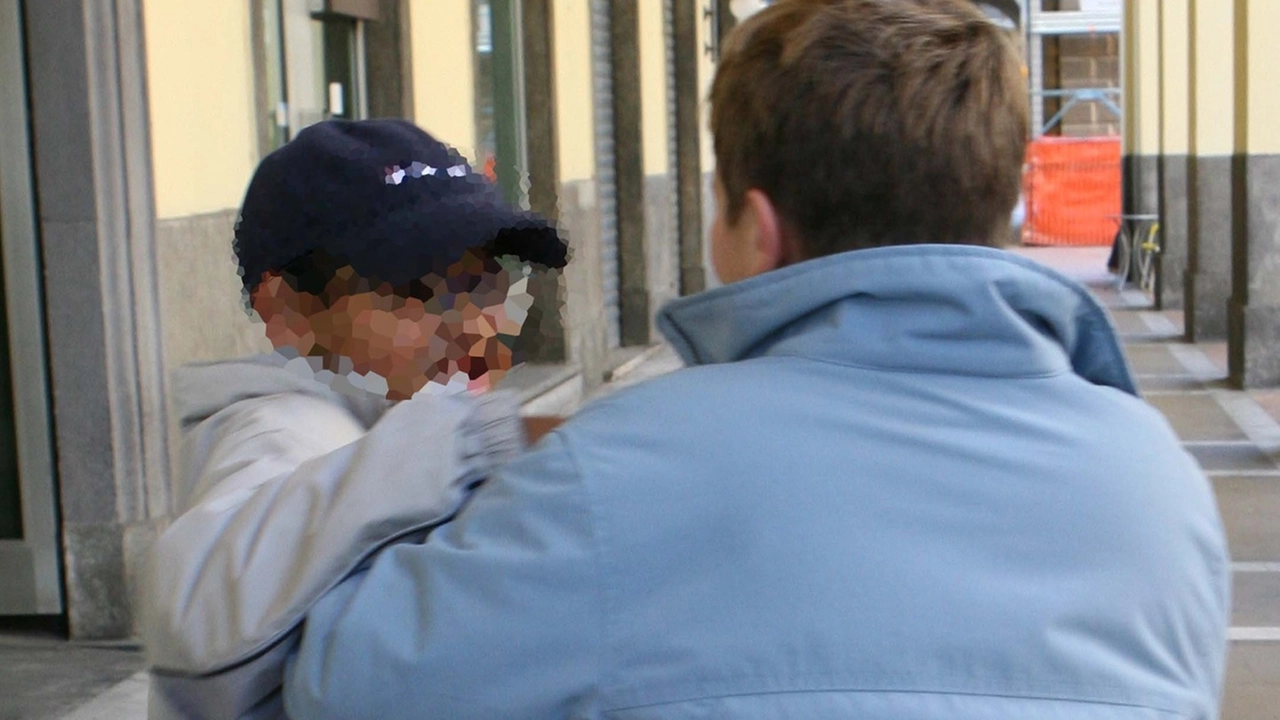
point(1213, 93)
point(388, 62)
point(628, 153)
point(1141, 68)
point(693, 276)
point(93, 185)
point(544, 338)
point(1254, 339)
point(1175, 145)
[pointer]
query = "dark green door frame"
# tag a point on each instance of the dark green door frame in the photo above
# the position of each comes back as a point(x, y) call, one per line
point(30, 577)
point(509, 100)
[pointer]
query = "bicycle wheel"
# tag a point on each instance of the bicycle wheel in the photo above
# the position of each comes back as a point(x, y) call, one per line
point(1122, 257)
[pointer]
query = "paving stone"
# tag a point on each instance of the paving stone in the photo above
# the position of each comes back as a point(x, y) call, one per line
point(1129, 323)
point(1250, 509)
point(1255, 599)
point(43, 677)
point(1174, 383)
point(1197, 418)
point(1153, 359)
point(1228, 458)
point(1269, 400)
point(1252, 689)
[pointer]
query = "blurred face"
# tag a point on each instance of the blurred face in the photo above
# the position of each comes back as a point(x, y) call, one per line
point(463, 331)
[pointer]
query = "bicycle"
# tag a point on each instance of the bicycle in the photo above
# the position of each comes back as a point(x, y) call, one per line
point(1135, 250)
point(1148, 250)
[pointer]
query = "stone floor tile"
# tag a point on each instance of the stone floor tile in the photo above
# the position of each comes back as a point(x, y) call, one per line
point(1269, 400)
point(1153, 359)
point(1255, 599)
point(1197, 418)
point(1233, 457)
point(1250, 507)
point(42, 677)
point(1252, 689)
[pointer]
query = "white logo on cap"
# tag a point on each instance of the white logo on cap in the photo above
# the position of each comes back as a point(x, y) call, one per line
point(396, 174)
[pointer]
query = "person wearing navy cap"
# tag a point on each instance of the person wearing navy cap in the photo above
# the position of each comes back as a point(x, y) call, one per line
point(360, 242)
point(392, 281)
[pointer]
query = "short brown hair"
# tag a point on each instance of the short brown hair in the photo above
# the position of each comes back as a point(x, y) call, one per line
point(873, 122)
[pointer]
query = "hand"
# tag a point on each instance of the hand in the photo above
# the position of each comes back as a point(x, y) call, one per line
point(537, 426)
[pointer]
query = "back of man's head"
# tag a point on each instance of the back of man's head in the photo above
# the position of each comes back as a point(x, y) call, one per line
point(873, 122)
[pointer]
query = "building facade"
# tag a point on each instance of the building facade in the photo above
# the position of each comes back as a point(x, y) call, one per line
point(1203, 153)
point(130, 130)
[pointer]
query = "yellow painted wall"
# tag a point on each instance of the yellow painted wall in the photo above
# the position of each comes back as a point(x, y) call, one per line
point(1175, 26)
point(444, 71)
point(576, 130)
point(653, 88)
point(1147, 58)
point(1213, 74)
point(200, 88)
point(1264, 89)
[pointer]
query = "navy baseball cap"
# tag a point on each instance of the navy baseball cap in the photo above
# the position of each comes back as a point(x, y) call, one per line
point(384, 197)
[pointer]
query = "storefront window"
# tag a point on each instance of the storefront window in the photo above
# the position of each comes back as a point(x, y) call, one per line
point(486, 137)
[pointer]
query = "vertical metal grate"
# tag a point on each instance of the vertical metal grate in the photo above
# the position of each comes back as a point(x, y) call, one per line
point(606, 185)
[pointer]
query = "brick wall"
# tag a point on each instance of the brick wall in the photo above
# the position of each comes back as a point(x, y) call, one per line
point(1089, 61)
point(1082, 61)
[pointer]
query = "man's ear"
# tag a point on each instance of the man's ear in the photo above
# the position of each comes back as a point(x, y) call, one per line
point(773, 245)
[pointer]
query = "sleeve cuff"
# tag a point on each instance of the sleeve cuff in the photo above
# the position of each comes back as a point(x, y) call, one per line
point(495, 429)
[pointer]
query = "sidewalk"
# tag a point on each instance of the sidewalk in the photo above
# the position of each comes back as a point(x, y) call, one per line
point(1235, 436)
point(43, 677)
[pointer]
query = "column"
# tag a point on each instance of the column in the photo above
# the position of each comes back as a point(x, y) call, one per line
point(1141, 59)
point(1213, 91)
point(1254, 339)
point(693, 277)
point(88, 113)
point(1175, 145)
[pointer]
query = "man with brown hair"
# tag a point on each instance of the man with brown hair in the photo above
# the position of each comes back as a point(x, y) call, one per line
point(907, 476)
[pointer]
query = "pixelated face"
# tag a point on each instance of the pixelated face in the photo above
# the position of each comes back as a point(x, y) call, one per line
point(459, 327)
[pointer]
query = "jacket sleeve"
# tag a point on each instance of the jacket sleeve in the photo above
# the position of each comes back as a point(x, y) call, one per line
point(497, 614)
point(292, 496)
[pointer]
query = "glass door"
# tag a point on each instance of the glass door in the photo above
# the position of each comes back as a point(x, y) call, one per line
point(322, 54)
point(29, 563)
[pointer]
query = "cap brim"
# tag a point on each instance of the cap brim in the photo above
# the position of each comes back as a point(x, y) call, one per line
point(530, 238)
point(426, 236)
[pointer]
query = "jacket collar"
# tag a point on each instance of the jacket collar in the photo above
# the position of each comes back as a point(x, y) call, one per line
point(920, 308)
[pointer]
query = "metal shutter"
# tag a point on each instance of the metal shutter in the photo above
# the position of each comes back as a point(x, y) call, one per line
point(673, 151)
point(606, 187)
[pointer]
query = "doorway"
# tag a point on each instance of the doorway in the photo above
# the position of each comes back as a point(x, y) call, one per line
point(29, 557)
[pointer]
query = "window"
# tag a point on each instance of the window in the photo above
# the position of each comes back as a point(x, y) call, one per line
point(310, 67)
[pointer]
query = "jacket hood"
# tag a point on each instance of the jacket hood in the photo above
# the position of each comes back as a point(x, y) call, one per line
point(202, 389)
point(920, 308)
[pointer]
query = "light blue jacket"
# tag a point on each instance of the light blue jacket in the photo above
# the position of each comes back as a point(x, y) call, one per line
point(899, 483)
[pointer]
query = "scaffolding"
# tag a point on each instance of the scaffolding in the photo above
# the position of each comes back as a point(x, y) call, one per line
point(1041, 24)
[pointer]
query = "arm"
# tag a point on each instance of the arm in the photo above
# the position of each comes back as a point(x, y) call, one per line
point(284, 516)
point(496, 615)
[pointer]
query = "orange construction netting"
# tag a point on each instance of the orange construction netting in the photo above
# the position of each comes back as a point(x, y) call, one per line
point(1072, 191)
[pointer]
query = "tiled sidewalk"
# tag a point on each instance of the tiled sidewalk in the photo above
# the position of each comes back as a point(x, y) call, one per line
point(1236, 437)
